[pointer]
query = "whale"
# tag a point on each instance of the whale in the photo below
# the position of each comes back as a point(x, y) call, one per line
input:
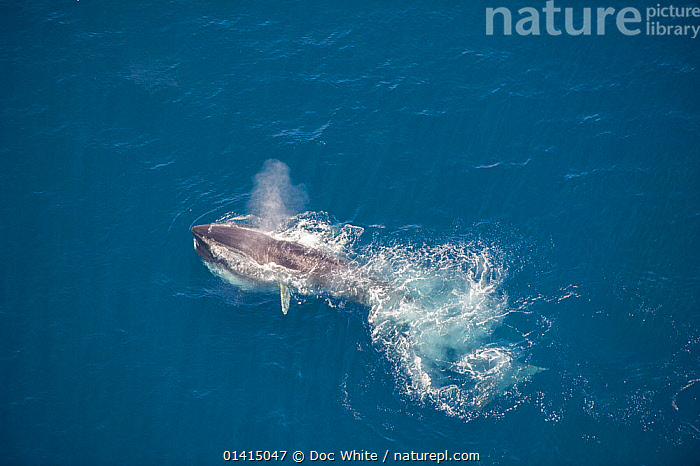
point(259, 258)
point(445, 351)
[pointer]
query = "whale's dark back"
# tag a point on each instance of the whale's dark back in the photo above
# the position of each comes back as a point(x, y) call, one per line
point(265, 249)
point(323, 270)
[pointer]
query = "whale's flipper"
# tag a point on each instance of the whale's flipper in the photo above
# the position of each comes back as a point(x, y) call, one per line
point(285, 295)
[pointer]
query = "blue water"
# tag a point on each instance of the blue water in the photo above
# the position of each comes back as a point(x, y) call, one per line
point(569, 164)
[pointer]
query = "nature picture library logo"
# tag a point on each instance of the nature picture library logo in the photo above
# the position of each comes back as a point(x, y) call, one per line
point(659, 20)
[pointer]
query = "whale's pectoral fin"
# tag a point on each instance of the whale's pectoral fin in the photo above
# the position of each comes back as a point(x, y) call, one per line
point(285, 295)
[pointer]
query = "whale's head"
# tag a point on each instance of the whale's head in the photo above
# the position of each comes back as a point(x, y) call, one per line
point(244, 241)
point(202, 242)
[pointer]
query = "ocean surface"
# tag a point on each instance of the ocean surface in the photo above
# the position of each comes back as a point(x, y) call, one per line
point(539, 197)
